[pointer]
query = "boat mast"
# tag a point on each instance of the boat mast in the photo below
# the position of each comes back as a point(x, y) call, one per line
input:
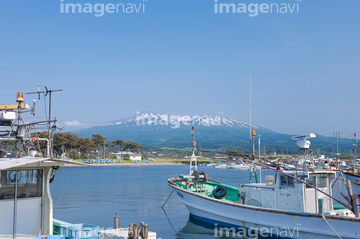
point(252, 132)
point(250, 107)
point(193, 157)
point(252, 140)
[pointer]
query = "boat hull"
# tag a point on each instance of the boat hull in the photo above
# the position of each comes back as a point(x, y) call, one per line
point(354, 178)
point(264, 222)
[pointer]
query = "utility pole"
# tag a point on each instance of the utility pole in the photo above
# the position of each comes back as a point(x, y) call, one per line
point(264, 152)
point(200, 148)
point(337, 135)
point(354, 149)
point(259, 147)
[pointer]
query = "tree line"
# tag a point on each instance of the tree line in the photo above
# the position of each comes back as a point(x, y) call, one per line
point(75, 146)
point(237, 154)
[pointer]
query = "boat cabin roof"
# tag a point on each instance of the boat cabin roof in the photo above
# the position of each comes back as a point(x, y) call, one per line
point(30, 162)
point(292, 173)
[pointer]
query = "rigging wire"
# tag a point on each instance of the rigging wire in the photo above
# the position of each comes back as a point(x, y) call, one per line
point(341, 139)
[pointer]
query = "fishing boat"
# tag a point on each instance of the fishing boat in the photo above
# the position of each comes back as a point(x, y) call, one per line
point(221, 165)
point(26, 204)
point(25, 200)
point(239, 165)
point(290, 204)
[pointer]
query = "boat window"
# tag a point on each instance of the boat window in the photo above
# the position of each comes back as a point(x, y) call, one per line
point(312, 181)
point(29, 183)
point(6, 190)
point(290, 182)
point(322, 182)
point(286, 181)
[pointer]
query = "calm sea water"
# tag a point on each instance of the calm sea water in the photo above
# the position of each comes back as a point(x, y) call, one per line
point(93, 195)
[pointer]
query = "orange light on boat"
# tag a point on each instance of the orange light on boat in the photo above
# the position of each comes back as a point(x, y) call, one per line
point(253, 132)
point(19, 97)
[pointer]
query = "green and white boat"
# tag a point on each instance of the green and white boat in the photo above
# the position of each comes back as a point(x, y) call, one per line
point(288, 205)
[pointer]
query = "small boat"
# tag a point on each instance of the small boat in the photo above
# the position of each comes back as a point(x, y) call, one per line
point(286, 166)
point(211, 164)
point(241, 165)
point(342, 165)
point(220, 165)
point(290, 204)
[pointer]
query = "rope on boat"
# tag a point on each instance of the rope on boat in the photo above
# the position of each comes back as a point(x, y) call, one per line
point(167, 199)
point(330, 225)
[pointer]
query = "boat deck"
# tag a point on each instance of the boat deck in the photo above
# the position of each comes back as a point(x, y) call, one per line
point(208, 188)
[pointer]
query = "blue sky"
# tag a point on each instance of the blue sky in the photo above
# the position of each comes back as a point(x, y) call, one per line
point(181, 58)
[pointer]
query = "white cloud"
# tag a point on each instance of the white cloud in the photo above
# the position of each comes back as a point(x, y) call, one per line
point(73, 123)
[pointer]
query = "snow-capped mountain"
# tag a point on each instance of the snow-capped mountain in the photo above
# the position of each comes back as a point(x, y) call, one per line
point(165, 130)
point(150, 118)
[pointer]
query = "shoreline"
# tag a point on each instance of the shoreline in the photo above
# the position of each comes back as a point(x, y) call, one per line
point(121, 164)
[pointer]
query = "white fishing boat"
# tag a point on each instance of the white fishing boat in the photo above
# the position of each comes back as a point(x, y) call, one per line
point(241, 165)
point(211, 164)
point(25, 200)
point(291, 204)
point(26, 204)
point(221, 165)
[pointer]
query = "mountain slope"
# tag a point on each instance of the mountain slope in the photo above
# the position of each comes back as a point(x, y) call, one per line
point(163, 130)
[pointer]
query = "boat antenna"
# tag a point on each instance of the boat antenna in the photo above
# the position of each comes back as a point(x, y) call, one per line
point(46, 92)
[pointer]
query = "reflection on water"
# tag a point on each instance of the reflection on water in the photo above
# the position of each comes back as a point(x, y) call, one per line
point(198, 229)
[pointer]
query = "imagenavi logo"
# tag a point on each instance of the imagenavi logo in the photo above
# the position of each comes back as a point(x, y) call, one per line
point(100, 9)
point(254, 9)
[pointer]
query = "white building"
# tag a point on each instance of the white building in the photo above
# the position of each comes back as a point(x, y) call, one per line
point(135, 158)
point(129, 155)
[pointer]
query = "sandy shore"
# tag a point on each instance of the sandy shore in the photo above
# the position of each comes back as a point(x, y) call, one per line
point(121, 164)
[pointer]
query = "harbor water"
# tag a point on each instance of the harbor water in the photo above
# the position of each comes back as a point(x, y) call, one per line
point(93, 195)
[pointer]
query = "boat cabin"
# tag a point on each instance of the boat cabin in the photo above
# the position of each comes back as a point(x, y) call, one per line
point(25, 200)
point(286, 193)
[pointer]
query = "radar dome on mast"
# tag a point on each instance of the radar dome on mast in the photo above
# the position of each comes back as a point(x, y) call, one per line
point(303, 143)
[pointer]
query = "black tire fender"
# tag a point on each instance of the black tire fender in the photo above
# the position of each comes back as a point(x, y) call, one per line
point(217, 190)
